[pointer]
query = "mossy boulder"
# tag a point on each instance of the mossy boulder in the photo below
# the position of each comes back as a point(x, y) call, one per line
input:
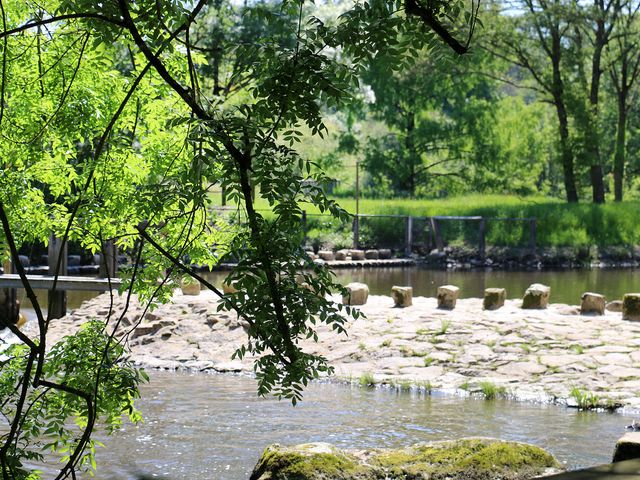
point(466, 459)
point(310, 461)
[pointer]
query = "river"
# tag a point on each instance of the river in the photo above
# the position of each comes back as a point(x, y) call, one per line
point(566, 285)
point(214, 427)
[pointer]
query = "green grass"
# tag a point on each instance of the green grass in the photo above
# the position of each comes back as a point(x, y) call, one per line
point(491, 391)
point(367, 380)
point(579, 349)
point(444, 326)
point(584, 399)
point(559, 223)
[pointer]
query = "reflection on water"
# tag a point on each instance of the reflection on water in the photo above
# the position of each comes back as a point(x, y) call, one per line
point(205, 426)
point(566, 285)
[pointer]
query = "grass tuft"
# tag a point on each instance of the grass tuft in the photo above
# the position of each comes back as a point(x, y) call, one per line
point(586, 400)
point(491, 391)
point(367, 380)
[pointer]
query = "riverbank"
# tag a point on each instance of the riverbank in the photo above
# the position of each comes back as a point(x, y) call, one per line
point(513, 258)
point(541, 355)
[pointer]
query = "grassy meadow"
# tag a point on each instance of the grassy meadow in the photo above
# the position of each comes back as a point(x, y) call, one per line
point(557, 223)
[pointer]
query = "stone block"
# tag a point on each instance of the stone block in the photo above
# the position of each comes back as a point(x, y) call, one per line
point(190, 287)
point(402, 296)
point(341, 255)
point(228, 288)
point(358, 294)
point(447, 296)
point(326, 255)
point(614, 306)
point(494, 298)
point(357, 254)
point(627, 447)
point(384, 253)
point(631, 306)
point(592, 303)
point(536, 297)
point(371, 254)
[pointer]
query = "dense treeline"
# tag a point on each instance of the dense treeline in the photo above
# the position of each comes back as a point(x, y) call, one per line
point(543, 104)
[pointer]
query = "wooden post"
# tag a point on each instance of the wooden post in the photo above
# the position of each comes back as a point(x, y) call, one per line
point(408, 236)
point(532, 235)
point(109, 261)
point(356, 218)
point(356, 231)
point(9, 307)
point(57, 298)
point(481, 240)
point(435, 226)
point(223, 193)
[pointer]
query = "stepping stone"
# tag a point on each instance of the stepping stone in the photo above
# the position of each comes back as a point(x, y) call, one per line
point(341, 255)
point(447, 296)
point(191, 288)
point(357, 254)
point(627, 447)
point(614, 306)
point(384, 253)
point(631, 306)
point(494, 298)
point(326, 255)
point(229, 288)
point(358, 294)
point(371, 254)
point(536, 297)
point(592, 303)
point(402, 296)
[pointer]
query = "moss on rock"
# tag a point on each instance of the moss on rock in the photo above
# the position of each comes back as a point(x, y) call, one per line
point(312, 461)
point(468, 459)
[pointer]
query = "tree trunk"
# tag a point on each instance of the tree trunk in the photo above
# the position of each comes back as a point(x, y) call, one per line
point(557, 90)
point(566, 154)
point(593, 134)
point(619, 155)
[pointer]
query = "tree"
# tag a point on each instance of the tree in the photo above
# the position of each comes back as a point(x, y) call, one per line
point(623, 70)
point(535, 41)
point(594, 25)
point(111, 133)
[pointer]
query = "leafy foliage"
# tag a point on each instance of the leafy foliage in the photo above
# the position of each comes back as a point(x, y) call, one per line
point(118, 119)
point(87, 364)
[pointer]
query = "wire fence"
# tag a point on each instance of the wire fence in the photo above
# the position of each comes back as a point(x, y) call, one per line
point(413, 234)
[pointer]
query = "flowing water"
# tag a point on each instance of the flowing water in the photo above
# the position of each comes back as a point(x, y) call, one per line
point(214, 427)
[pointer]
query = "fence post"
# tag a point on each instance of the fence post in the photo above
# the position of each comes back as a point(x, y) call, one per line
point(57, 298)
point(408, 236)
point(109, 261)
point(356, 231)
point(435, 226)
point(481, 241)
point(532, 235)
point(9, 307)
